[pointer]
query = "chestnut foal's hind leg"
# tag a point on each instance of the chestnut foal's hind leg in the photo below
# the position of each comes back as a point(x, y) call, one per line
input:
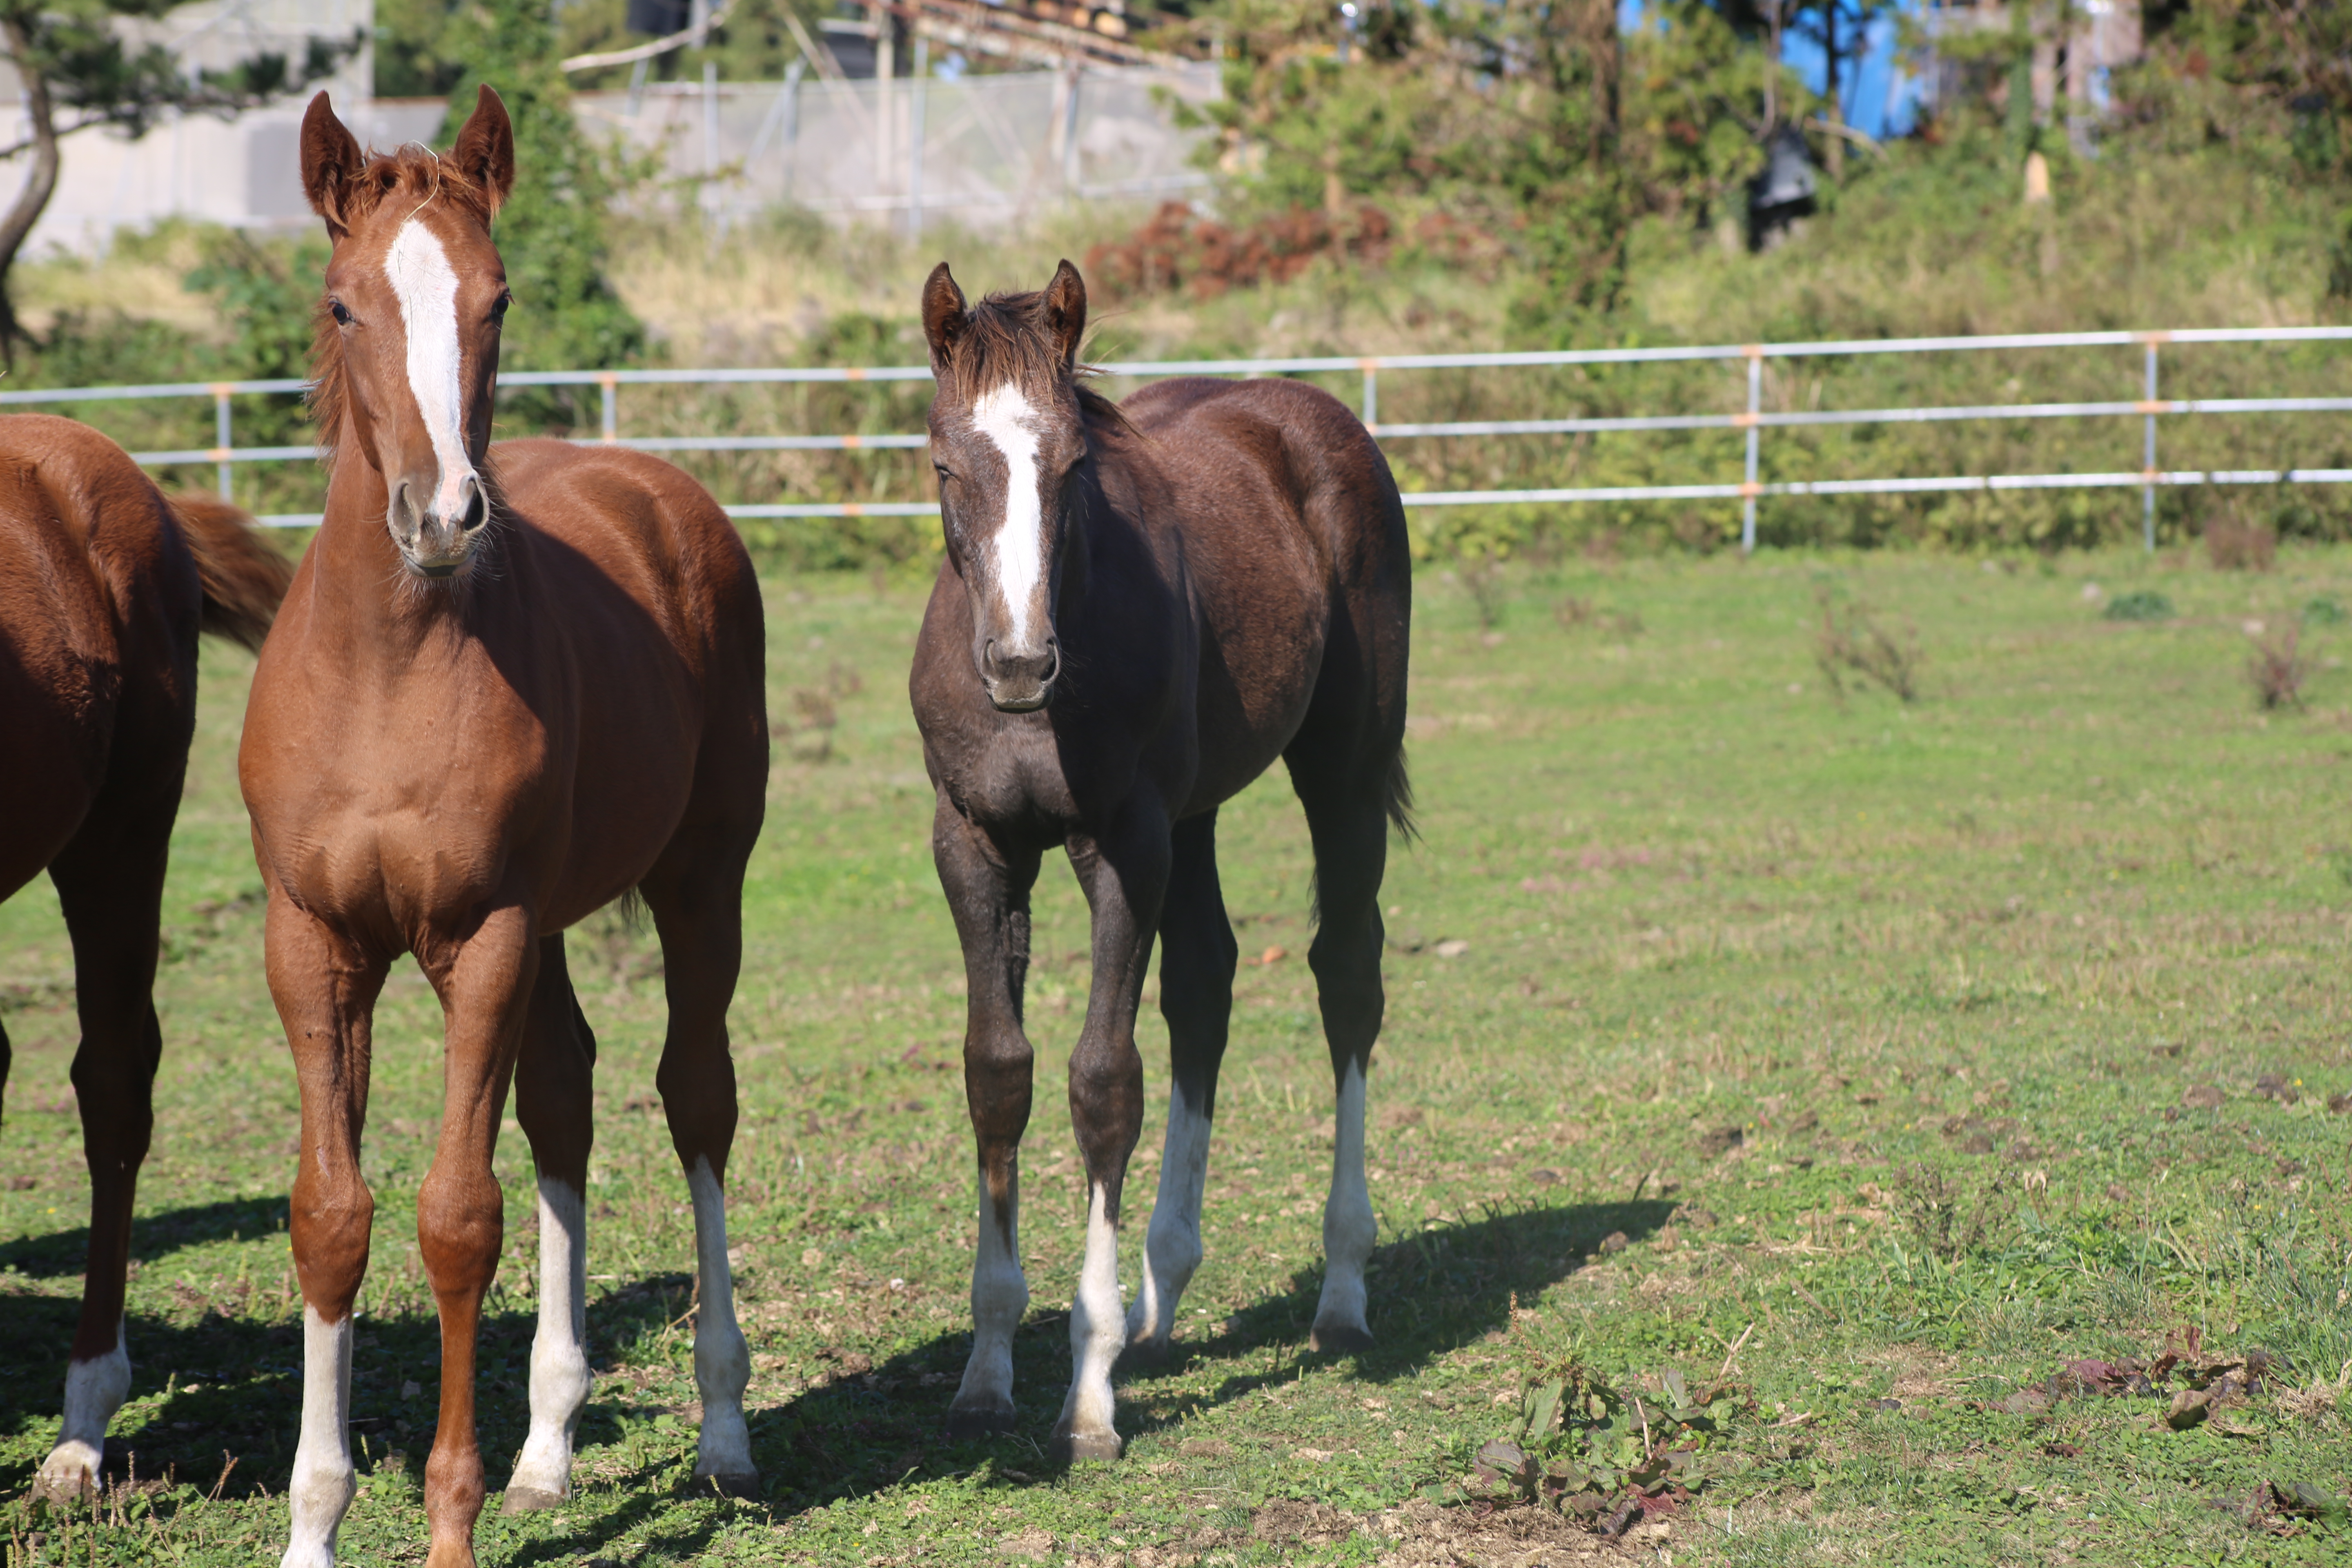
point(553, 1081)
point(987, 887)
point(109, 883)
point(1125, 875)
point(1350, 827)
point(1196, 997)
point(699, 912)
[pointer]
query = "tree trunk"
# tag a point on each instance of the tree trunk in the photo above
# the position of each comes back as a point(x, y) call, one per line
point(34, 199)
point(1836, 153)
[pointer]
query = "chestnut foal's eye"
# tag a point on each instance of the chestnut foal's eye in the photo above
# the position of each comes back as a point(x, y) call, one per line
point(335, 308)
point(499, 308)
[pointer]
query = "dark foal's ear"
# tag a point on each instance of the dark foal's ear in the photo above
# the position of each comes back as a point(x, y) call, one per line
point(332, 160)
point(485, 148)
point(944, 315)
point(1063, 308)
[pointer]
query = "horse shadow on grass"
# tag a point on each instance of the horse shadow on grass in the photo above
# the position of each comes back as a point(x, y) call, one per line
point(860, 1426)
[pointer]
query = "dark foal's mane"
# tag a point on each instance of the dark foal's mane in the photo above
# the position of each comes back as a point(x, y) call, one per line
point(413, 173)
point(1006, 338)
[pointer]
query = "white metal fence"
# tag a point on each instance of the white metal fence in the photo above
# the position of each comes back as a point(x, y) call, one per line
point(1754, 420)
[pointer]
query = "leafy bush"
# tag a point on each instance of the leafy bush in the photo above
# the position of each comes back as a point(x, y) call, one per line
point(2141, 604)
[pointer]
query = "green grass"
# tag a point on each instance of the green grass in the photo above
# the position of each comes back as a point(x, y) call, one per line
point(2082, 874)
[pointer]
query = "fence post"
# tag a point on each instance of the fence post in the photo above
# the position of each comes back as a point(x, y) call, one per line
point(1755, 352)
point(1372, 368)
point(612, 385)
point(915, 136)
point(2147, 491)
point(221, 437)
point(1070, 132)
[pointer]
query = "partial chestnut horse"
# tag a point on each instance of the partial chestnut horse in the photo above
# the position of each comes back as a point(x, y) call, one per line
point(510, 683)
point(103, 588)
point(1142, 606)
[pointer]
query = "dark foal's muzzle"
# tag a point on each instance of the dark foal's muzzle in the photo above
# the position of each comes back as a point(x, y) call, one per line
point(1019, 682)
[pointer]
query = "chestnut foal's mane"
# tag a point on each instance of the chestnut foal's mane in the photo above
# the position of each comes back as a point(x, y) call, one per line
point(414, 173)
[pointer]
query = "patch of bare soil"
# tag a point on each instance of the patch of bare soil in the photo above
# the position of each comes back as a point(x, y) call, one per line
point(1423, 1535)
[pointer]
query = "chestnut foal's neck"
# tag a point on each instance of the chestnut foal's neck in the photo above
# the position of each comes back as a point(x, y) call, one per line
point(382, 612)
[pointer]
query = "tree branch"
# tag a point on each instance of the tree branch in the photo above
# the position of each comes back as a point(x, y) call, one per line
point(39, 184)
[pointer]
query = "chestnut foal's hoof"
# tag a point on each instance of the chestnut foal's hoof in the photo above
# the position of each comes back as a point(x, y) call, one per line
point(529, 1500)
point(964, 1425)
point(1339, 1339)
point(743, 1488)
point(1066, 1448)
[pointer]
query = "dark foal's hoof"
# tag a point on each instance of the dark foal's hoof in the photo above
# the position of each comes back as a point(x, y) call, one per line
point(743, 1488)
point(529, 1500)
point(966, 1425)
point(1339, 1339)
point(1065, 1448)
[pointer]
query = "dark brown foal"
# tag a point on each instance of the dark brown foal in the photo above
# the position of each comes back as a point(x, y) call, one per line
point(1142, 607)
point(103, 586)
point(510, 684)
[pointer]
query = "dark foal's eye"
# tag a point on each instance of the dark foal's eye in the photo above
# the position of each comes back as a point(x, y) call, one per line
point(335, 308)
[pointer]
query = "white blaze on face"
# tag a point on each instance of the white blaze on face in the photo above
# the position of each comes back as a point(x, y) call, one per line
point(1004, 416)
point(427, 286)
point(322, 1486)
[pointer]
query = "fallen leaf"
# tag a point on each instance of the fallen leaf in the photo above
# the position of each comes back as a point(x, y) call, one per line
point(1273, 955)
point(2189, 1406)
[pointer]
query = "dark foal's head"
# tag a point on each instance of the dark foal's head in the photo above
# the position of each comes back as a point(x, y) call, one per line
point(408, 332)
point(1008, 432)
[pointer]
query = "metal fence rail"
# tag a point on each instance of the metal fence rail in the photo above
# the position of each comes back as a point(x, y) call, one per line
point(1753, 419)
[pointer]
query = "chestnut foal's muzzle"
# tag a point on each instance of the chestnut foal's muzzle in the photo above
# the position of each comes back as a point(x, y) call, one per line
point(437, 542)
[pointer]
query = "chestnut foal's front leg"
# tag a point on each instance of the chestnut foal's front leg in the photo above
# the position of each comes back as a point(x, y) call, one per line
point(1124, 872)
point(987, 886)
point(485, 982)
point(325, 989)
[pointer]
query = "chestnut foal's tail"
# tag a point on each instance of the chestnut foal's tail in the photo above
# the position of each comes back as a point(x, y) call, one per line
point(245, 580)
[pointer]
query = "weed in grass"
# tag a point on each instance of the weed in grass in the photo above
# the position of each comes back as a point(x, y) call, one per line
point(1483, 579)
point(2276, 668)
point(2140, 604)
point(1850, 640)
point(1948, 1217)
point(2235, 544)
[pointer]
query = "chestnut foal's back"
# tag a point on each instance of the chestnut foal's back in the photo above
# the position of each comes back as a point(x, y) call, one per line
point(103, 586)
point(509, 685)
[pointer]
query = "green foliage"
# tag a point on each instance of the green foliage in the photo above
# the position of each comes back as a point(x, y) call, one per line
point(552, 232)
point(2139, 605)
point(92, 68)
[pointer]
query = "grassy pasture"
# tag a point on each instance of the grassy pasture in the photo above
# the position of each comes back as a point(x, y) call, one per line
point(1997, 936)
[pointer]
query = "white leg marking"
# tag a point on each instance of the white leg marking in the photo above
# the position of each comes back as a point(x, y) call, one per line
point(1002, 416)
point(999, 1295)
point(95, 1390)
point(427, 286)
point(321, 1489)
point(559, 1379)
point(1349, 1228)
point(1172, 1245)
point(1096, 1333)
point(722, 1361)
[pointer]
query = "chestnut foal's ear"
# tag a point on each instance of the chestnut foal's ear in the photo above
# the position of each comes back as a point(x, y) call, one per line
point(1064, 308)
point(485, 148)
point(332, 160)
point(944, 315)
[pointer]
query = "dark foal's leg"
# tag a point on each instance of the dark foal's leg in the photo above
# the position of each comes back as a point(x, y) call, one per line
point(1197, 955)
point(325, 991)
point(696, 899)
point(1349, 822)
point(485, 982)
point(110, 882)
point(1125, 875)
point(554, 1079)
point(987, 887)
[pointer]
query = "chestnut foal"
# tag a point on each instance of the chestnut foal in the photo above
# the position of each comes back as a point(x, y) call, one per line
point(1142, 606)
point(103, 586)
point(510, 683)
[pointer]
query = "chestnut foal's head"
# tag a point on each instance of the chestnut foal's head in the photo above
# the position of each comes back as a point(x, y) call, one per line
point(1008, 432)
point(409, 338)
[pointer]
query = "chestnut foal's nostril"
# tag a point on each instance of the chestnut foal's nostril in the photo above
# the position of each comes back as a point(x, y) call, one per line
point(477, 510)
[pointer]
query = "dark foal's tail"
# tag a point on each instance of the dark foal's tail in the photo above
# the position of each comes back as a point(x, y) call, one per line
point(245, 580)
point(1396, 798)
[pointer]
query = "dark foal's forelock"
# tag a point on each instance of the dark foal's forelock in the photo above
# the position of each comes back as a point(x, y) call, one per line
point(413, 174)
point(1007, 339)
